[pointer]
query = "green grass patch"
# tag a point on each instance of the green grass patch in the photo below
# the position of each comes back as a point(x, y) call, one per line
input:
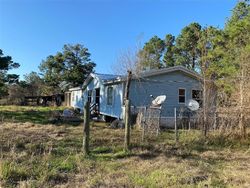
point(62, 164)
point(30, 114)
point(12, 172)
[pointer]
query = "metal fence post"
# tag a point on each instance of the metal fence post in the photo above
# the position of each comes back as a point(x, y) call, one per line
point(175, 126)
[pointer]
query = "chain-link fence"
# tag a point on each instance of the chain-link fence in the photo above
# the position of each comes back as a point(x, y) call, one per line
point(151, 119)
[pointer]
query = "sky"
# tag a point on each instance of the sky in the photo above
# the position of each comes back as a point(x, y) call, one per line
point(31, 30)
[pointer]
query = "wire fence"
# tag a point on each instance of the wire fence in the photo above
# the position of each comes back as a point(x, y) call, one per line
point(151, 120)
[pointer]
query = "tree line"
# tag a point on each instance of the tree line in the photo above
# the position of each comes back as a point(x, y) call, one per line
point(67, 68)
point(219, 55)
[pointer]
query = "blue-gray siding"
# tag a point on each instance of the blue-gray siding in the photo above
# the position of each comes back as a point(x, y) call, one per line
point(140, 91)
point(169, 85)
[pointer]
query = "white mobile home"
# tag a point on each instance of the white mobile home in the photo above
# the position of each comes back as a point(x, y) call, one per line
point(106, 92)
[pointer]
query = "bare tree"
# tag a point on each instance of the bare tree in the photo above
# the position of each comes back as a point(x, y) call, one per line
point(209, 88)
point(129, 59)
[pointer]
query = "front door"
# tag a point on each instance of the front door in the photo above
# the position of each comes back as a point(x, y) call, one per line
point(97, 99)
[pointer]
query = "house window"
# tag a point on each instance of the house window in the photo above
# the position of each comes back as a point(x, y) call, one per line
point(89, 95)
point(109, 95)
point(182, 95)
point(197, 95)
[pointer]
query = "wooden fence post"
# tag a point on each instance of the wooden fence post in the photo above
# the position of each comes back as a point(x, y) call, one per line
point(127, 112)
point(86, 129)
point(127, 125)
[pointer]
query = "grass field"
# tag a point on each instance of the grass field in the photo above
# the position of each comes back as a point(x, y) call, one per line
point(35, 153)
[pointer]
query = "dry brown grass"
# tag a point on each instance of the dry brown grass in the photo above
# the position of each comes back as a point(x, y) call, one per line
point(36, 155)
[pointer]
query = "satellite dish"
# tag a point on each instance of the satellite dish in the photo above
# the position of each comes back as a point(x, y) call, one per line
point(193, 105)
point(159, 100)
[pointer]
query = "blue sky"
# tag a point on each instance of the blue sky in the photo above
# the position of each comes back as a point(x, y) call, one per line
point(30, 30)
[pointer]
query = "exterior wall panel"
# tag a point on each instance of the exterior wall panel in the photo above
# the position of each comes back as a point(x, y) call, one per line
point(140, 90)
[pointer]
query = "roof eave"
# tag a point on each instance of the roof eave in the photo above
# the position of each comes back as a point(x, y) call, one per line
point(172, 69)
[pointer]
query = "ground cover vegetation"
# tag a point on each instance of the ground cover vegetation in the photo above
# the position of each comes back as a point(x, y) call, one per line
point(34, 153)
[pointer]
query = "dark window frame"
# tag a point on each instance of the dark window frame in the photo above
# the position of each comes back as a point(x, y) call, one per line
point(182, 97)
